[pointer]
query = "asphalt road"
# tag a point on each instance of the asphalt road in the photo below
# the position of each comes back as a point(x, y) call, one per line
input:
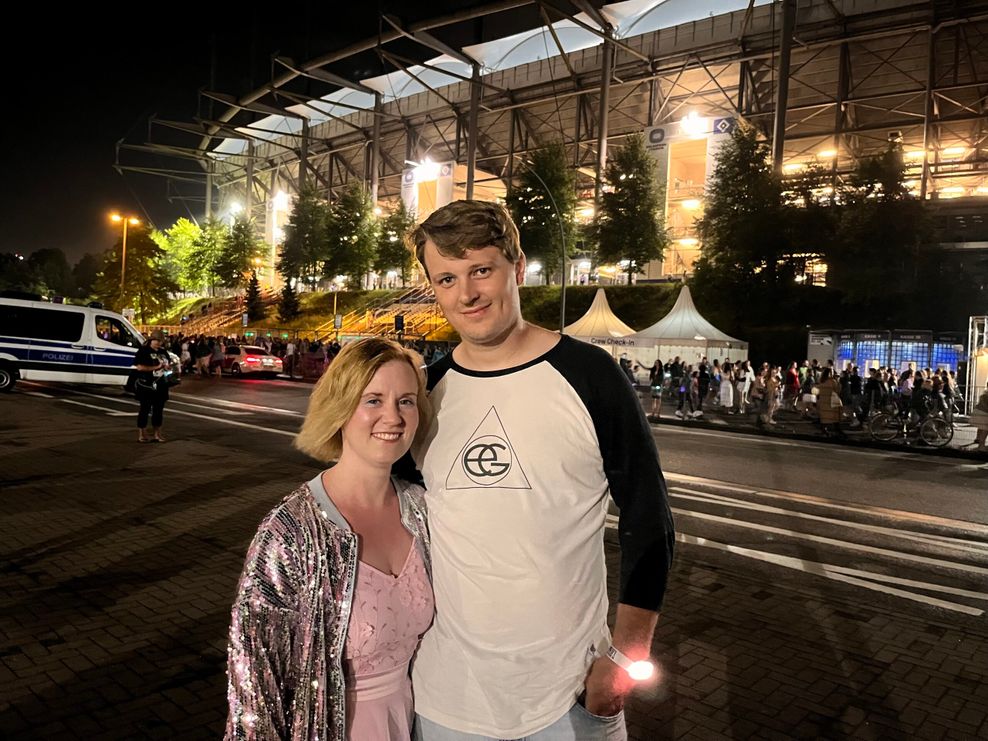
point(818, 590)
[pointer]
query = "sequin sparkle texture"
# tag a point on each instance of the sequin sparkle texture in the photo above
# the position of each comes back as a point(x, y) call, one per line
point(290, 617)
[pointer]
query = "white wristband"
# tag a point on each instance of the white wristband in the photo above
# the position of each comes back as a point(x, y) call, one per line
point(637, 670)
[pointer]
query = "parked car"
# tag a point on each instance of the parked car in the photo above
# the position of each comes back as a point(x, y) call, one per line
point(249, 359)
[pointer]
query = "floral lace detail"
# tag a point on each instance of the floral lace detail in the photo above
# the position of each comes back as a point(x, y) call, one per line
point(389, 616)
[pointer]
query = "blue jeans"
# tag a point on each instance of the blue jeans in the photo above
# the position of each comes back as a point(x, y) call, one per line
point(577, 725)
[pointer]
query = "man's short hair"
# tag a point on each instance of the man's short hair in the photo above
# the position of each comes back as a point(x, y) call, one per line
point(335, 397)
point(468, 225)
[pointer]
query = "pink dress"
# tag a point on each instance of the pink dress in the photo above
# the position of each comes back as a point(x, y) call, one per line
point(389, 615)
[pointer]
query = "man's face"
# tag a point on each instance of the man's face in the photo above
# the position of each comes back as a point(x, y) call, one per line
point(478, 293)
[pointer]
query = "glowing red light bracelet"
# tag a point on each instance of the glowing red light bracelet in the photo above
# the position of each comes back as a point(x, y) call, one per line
point(637, 670)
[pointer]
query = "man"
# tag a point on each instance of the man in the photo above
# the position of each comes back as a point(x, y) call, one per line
point(531, 432)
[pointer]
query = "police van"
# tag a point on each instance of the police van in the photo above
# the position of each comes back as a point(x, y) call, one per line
point(42, 341)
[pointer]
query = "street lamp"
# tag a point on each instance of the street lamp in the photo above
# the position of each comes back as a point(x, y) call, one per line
point(123, 252)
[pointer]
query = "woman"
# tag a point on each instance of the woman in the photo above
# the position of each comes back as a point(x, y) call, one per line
point(151, 386)
point(656, 377)
point(336, 591)
point(828, 404)
point(727, 389)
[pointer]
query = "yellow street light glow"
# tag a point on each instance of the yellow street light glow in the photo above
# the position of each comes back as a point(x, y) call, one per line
point(954, 189)
point(982, 189)
point(586, 213)
point(691, 204)
point(954, 151)
point(793, 166)
point(915, 154)
point(378, 210)
point(688, 241)
point(827, 154)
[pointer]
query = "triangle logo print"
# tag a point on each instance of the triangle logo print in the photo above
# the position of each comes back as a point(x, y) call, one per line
point(487, 460)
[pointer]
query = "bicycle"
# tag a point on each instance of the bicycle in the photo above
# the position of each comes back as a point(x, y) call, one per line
point(933, 430)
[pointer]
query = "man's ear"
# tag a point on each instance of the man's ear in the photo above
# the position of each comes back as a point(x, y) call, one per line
point(520, 270)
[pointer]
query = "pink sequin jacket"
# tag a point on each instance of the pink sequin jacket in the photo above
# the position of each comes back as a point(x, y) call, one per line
point(290, 617)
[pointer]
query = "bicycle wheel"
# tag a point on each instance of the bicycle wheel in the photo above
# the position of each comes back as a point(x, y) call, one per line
point(936, 432)
point(884, 427)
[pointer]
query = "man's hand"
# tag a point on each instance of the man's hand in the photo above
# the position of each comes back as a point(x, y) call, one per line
point(607, 685)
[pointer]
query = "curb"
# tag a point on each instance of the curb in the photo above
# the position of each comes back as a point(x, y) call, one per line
point(851, 442)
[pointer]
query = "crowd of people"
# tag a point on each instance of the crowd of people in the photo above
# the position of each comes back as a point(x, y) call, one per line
point(816, 391)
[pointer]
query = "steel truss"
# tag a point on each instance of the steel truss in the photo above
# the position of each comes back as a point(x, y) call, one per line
point(858, 73)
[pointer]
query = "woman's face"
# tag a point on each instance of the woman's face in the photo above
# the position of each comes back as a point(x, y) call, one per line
point(383, 425)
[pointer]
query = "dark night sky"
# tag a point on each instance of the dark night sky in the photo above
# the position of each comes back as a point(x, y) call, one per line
point(75, 89)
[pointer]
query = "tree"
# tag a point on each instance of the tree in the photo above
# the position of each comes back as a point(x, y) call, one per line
point(305, 246)
point(884, 235)
point(52, 271)
point(254, 302)
point(85, 274)
point(544, 199)
point(742, 233)
point(235, 262)
point(288, 306)
point(206, 250)
point(351, 235)
point(15, 275)
point(180, 242)
point(631, 224)
point(147, 285)
point(392, 251)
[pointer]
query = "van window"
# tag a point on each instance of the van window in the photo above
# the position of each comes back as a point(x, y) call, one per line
point(41, 324)
point(115, 331)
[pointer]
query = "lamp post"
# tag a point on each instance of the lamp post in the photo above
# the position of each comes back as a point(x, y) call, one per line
point(562, 236)
point(123, 251)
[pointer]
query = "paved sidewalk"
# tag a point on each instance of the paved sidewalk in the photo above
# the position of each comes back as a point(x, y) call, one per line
point(118, 564)
point(790, 424)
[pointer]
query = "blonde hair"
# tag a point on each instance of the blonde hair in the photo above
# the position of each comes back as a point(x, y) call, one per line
point(335, 397)
point(467, 225)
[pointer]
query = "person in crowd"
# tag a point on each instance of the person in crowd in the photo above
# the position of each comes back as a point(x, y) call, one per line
point(685, 391)
point(702, 384)
point(151, 386)
point(979, 420)
point(335, 592)
point(656, 379)
point(726, 398)
point(906, 385)
point(773, 384)
point(216, 351)
point(792, 387)
point(520, 647)
point(829, 405)
point(202, 355)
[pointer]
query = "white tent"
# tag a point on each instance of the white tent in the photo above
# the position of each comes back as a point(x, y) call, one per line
point(684, 332)
point(600, 325)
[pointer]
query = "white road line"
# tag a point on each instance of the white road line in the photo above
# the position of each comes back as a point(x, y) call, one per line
point(207, 406)
point(110, 412)
point(744, 437)
point(241, 405)
point(38, 393)
point(972, 546)
point(971, 527)
point(233, 422)
point(981, 596)
point(826, 571)
point(843, 544)
point(855, 577)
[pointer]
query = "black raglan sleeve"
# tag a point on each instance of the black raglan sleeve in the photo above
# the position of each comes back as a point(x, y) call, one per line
point(405, 467)
point(631, 464)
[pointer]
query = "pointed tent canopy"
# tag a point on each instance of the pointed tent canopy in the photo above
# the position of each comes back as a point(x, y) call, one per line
point(684, 332)
point(685, 322)
point(599, 321)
